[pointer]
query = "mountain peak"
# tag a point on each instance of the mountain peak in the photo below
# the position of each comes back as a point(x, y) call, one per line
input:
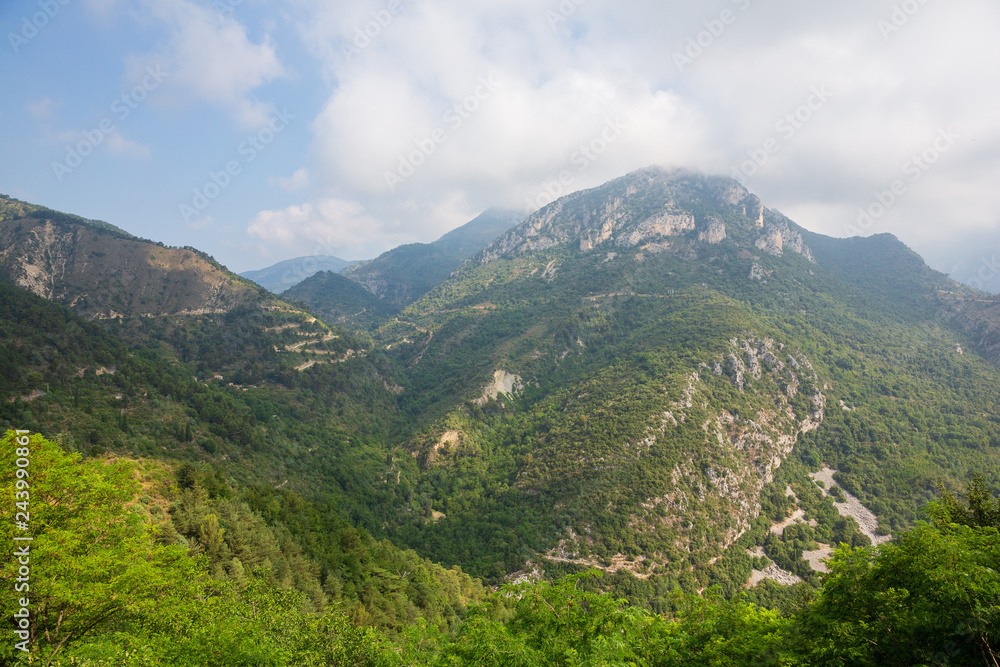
point(656, 210)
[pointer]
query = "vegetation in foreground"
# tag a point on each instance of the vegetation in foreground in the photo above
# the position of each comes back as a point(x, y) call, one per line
point(110, 584)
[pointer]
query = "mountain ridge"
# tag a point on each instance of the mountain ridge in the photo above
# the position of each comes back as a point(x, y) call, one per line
point(101, 272)
point(669, 217)
point(284, 275)
point(403, 274)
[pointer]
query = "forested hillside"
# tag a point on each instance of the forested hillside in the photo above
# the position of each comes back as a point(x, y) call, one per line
point(341, 301)
point(653, 410)
point(668, 343)
point(112, 582)
point(100, 271)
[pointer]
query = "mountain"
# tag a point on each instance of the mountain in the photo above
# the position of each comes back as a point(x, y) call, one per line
point(641, 376)
point(100, 271)
point(403, 274)
point(281, 276)
point(970, 258)
point(341, 301)
point(659, 378)
point(473, 236)
point(645, 377)
point(186, 347)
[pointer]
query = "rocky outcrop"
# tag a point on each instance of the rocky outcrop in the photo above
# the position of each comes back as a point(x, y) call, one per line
point(449, 441)
point(503, 384)
point(779, 234)
point(851, 506)
point(775, 573)
point(714, 233)
point(719, 484)
point(758, 272)
point(661, 224)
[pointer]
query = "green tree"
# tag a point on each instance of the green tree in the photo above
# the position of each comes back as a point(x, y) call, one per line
point(93, 562)
point(549, 624)
point(929, 598)
point(979, 508)
point(708, 630)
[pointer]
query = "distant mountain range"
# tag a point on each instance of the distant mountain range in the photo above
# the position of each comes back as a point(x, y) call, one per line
point(971, 258)
point(366, 293)
point(402, 275)
point(396, 277)
point(281, 276)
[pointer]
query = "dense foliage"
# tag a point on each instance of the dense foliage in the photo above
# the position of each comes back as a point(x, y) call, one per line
point(104, 589)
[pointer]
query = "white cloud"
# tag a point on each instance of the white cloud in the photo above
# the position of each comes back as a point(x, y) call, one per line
point(529, 108)
point(200, 224)
point(41, 109)
point(209, 57)
point(119, 145)
point(562, 83)
point(376, 84)
point(326, 227)
point(114, 142)
point(296, 181)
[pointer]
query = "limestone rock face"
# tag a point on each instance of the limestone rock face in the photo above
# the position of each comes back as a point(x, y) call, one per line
point(503, 383)
point(778, 234)
point(654, 210)
point(714, 233)
point(721, 484)
point(662, 224)
point(758, 272)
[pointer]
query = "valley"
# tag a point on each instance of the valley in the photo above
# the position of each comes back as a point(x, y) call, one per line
point(660, 379)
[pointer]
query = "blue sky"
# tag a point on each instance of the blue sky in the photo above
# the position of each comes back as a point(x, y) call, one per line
point(260, 130)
